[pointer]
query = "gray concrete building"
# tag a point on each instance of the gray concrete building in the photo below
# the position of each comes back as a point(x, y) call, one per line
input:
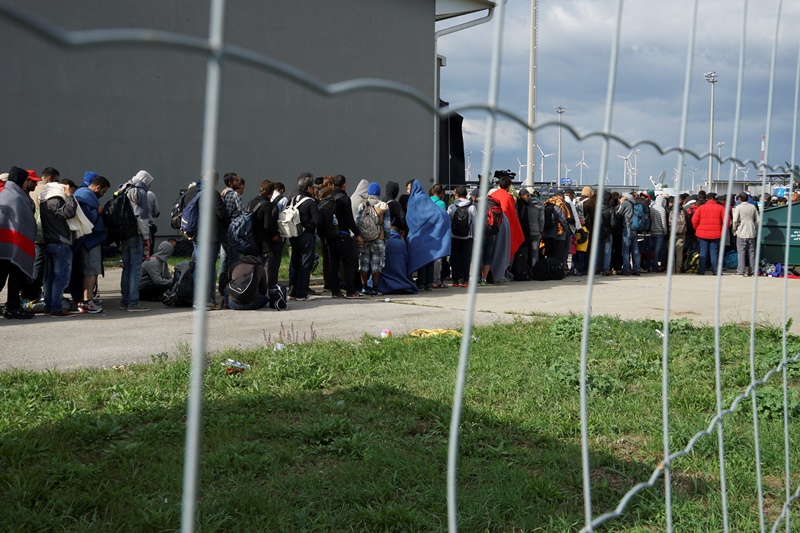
point(118, 109)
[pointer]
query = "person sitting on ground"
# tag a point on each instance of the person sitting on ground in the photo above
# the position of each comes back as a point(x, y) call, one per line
point(373, 222)
point(156, 278)
point(246, 287)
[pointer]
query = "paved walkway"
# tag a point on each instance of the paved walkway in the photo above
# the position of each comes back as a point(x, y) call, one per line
point(116, 337)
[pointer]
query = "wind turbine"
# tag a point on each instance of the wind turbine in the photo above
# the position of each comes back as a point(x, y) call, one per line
point(694, 169)
point(566, 173)
point(581, 165)
point(521, 166)
point(541, 164)
point(625, 165)
point(745, 171)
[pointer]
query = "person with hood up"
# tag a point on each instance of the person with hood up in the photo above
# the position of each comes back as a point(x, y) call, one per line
point(428, 235)
point(608, 225)
point(88, 249)
point(397, 215)
point(17, 236)
point(658, 231)
point(372, 255)
point(630, 240)
point(133, 248)
point(156, 278)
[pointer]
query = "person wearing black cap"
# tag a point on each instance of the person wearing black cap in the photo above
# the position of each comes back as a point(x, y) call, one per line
point(17, 235)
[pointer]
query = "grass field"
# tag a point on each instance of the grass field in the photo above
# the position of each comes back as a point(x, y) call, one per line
point(335, 436)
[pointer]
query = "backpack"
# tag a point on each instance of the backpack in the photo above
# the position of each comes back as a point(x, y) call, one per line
point(243, 289)
point(182, 293)
point(118, 217)
point(289, 224)
point(520, 269)
point(368, 222)
point(547, 268)
point(176, 211)
point(241, 233)
point(550, 216)
point(494, 216)
point(189, 217)
point(329, 229)
point(460, 223)
point(276, 297)
point(640, 221)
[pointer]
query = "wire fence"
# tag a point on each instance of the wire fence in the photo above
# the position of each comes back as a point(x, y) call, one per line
point(217, 51)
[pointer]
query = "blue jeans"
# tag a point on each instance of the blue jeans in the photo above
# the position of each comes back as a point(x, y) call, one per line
point(708, 247)
point(261, 301)
point(132, 252)
point(607, 254)
point(630, 247)
point(58, 268)
point(212, 267)
point(658, 249)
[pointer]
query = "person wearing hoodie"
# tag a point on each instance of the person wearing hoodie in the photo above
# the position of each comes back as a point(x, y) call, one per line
point(534, 226)
point(708, 226)
point(156, 278)
point(57, 205)
point(658, 231)
point(134, 248)
point(89, 247)
point(372, 255)
point(17, 235)
point(462, 222)
point(608, 225)
point(630, 240)
point(397, 215)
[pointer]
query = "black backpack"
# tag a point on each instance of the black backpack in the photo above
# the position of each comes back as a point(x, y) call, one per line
point(519, 266)
point(244, 289)
point(176, 211)
point(182, 293)
point(460, 223)
point(329, 229)
point(550, 217)
point(118, 217)
point(547, 268)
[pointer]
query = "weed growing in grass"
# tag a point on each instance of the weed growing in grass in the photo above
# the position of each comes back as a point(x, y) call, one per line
point(290, 336)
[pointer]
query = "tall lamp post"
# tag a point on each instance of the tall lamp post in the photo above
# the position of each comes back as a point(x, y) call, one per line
point(560, 110)
point(719, 155)
point(711, 77)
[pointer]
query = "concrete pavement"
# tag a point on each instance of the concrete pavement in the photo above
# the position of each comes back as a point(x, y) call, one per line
point(117, 337)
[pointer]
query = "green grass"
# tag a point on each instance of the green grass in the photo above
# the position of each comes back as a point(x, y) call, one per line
point(335, 436)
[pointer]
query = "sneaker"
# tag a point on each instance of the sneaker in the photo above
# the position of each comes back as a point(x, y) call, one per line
point(365, 291)
point(18, 313)
point(636, 274)
point(439, 286)
point(137, 309)
point(62, 314)
point(355, 296)
point(428, 288)
point(89, 307)
point(123, 307)
point(337, 295)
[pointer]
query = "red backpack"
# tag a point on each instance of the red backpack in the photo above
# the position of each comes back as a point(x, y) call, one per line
point(494, 216)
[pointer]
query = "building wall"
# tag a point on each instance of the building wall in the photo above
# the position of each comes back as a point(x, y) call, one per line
point(121, 109)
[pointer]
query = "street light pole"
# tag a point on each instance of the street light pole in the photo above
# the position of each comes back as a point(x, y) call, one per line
point(560, 110)
point(719, 155)
point(711, 77)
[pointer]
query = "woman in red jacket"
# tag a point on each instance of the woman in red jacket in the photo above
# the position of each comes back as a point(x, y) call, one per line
point(708, 222)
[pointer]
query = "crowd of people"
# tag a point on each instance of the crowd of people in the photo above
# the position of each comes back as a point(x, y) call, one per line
point(371, 242)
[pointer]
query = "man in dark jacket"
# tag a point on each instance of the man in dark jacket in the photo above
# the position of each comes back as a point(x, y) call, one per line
point(265, 230)
point(340, 247)
point(304, 244)
point(396, 212)
point(219, 228)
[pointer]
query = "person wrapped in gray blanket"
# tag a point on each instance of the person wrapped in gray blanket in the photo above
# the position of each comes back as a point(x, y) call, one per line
point(156, 278)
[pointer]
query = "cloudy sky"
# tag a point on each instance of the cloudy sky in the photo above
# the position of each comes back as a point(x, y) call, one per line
point(574, 43)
